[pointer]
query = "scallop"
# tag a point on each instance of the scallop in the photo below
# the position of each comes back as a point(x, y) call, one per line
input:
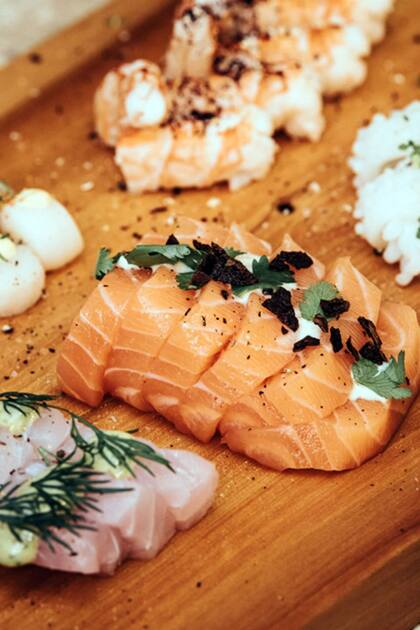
point(22, 279)
point(35, 218)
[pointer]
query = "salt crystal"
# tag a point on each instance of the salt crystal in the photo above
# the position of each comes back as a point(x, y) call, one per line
point(60, 161)
point(399, 79)
point(15, 136)
point(34, 92)
point(213, 202)
point(87, 186)
point(314, 187)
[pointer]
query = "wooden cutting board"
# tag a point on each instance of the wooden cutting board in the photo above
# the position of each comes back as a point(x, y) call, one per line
point(278, 550)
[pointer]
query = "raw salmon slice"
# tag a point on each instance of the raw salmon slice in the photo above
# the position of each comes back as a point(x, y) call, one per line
point(188, 351)
point(312, 390)
point(152, 312)
point(258, 351)
point(85, 352)
point(363, 295)
point(398, 328)
point(186, 230)
point(304, 277)
point(353, 434)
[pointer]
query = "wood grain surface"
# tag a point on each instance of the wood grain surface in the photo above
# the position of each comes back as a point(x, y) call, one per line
point(277, 550)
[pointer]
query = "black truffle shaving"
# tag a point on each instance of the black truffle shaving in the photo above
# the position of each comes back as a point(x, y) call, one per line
point(202, 116)
point(335, 307)
point(199, 279)
point(228, 66)
point(336, 340)
point(172, 240)
point(322, 322)
point(350, 347)
point(281, 305)
point(370, 330)
point(373, 353)
point(305, 343)
point(277, 264)
point(236, 274)
point(372, 349)
point(298, 260)
point(217, 265)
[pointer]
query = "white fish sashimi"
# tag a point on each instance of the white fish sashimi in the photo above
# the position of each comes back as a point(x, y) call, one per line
point(135, 522)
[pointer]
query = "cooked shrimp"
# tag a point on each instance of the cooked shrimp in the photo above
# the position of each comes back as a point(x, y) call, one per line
point(282, 87)
point(35, 218)
point(210, 136)
point(369, 15)
point(333, 38)
point(133, 95)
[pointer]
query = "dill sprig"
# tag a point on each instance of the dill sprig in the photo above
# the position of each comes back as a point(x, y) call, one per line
point(115, 449)
point(60, 498)
point(57, 500)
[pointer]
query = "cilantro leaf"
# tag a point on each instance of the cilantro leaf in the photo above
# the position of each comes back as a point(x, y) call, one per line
point(104, 264)
point(233, 253)
point(145, 256)
point(414, 149)
point(267, 278)
point(418, 229)
point(184, 280)
point(149, 255)
point(6, 193)
point(386, 383)
point(310, 306)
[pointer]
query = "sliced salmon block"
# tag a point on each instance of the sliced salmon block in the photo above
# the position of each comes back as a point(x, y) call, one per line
point(85, 352)
point(363, 295)
point(152, 312)
point(312, 390)
point(304, 277)
point(354, 433)
point(189, 350)
point(258, 351)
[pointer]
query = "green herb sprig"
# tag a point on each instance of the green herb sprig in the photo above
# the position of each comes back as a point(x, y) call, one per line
point(310, 306)
point(115, 449)
point(386, 383)
point(60, 498)
point(149, 255)
point(145, 256)
point(414, 152)
point(266, 278)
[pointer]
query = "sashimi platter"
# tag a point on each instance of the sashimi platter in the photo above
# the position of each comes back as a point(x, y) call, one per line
point(209, 319)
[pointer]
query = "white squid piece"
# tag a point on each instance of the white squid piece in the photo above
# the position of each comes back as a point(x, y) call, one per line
point(22, 278)
point(37, 234)
point(386, 161)
point(34, 217)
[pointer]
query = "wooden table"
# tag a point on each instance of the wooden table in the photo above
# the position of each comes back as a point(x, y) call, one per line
point(287, 550)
